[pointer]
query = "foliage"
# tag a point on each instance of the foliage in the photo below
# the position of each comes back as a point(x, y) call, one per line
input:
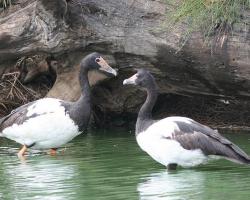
point(5, 3)
point(212, 16)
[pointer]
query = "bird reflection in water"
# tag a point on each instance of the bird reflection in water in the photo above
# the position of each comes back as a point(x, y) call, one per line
point(40, 179)
point(187, 184)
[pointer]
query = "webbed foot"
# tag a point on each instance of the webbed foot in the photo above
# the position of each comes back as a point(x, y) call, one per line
point(52, 152)
point(21, 153)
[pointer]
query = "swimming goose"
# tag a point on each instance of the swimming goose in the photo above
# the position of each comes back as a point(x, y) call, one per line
point(176, 141)
point(49, 123)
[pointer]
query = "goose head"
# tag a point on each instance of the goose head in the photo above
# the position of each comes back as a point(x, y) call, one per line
point(95, 61)
point(143, 78)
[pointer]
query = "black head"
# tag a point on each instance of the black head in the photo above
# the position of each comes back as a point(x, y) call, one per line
point(142, 78)
point(94, 61)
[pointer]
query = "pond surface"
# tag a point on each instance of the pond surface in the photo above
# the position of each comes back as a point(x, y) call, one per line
point(110, 166)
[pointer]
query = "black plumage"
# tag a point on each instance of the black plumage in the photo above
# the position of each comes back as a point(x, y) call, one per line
point(190, 134)
point(18, 125)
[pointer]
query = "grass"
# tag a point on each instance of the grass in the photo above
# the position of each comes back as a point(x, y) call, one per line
point(5, 3)
point(211, 16)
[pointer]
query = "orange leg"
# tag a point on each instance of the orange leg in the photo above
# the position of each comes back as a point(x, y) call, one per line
point(52, 152)
point(22, 152)
point(63, 151)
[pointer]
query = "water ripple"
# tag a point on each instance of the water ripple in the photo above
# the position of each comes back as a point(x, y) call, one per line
point(111, 166)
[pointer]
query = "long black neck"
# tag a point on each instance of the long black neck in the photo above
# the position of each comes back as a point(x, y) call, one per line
point(144, 119)
point(81, 109)
point(85, 87)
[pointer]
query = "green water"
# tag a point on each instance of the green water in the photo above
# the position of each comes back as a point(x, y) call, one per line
point(111, 166)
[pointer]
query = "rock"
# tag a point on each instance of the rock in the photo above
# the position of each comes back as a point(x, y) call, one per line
point(133, 35)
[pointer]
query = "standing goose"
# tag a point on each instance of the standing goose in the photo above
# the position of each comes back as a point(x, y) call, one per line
point(176, 141)
point(49, 123)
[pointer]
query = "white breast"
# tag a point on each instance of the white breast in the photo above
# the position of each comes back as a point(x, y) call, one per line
point(46, 105)
point(51, 129)
point(166, 151)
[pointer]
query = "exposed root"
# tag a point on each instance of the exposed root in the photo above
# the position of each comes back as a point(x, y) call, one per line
point(13, 93)
point(29, 79)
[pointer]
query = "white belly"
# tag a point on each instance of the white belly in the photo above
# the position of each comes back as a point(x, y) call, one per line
point(166, 151)
point(50, 130)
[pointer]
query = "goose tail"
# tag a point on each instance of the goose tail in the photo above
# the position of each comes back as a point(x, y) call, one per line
point(239, 156)
point(245, 161)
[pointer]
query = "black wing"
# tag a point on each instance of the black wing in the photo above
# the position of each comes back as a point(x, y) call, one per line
point(17, 116)
point(194, 135)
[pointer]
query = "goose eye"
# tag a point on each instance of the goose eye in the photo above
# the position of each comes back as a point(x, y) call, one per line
point(97, 60)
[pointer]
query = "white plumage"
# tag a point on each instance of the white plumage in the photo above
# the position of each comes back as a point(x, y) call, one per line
point(51, 123)
point(165, 151)
point(51, 128)
point(176, 141)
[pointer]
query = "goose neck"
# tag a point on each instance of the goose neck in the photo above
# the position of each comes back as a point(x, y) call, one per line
point(84, 83)
point(146, 109)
